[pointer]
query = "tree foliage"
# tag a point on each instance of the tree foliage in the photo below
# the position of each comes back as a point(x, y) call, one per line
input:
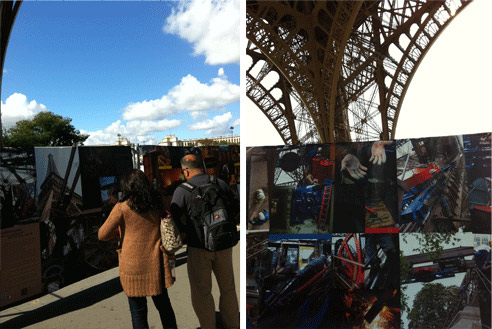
point(211, 142)
point(432, 243)
point(45, 129)
point(431, 306)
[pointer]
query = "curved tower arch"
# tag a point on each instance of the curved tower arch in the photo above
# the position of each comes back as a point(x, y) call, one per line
point(344, 66)
point(8, 13)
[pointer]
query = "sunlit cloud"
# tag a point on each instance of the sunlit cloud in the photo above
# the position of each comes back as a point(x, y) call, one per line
point(17, 107)
point(134, 131)
point(219, 125)
point(190, 95)
point(212, 27)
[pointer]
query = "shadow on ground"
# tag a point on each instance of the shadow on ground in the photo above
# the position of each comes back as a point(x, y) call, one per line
point(68, 304)
point(73, 302)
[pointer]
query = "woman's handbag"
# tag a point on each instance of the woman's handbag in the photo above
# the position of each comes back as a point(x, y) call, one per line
point(171, 239)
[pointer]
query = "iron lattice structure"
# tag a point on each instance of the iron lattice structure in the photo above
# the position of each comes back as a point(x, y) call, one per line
point(8, 13)
point(333, 71)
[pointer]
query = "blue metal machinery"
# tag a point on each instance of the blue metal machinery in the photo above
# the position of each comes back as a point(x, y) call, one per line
point(290, 288)
point(416, 204)
point(307, 202)
point(452, 261)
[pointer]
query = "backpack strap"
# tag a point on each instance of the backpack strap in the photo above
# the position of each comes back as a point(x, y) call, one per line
point(187, 186)
point(190, 187)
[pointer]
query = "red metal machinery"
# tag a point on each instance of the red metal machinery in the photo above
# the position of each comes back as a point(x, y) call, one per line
point(352, 260)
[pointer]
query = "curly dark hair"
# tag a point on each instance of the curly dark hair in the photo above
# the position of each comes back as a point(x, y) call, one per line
point(138, 191)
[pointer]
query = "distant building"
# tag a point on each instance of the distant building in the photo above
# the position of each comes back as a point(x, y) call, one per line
point(123, 142)
point(172, 140)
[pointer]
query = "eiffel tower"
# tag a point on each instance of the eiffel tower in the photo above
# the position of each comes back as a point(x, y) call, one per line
point(8, 13)
point(337, 71)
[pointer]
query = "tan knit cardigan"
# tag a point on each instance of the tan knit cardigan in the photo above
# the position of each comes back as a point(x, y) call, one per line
point(141, 257)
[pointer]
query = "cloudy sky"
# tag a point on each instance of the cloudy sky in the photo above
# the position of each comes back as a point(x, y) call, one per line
point(140, 69)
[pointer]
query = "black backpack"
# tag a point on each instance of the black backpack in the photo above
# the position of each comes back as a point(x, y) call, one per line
point(209, 205)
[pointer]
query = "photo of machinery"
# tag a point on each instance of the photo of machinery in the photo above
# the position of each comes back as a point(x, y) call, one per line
point(17, 187)
point(299, 187)
point(258, 263)
point(432, 177)
point(365, 188)
point(315, 281)
point(478, 153)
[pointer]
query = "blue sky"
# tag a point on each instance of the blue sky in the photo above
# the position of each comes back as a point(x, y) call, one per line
point(141, 69)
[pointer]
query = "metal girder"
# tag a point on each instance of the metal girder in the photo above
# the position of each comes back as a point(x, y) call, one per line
point(447, 253)
point(8, 13)
point(346, 64)
point(277, 109)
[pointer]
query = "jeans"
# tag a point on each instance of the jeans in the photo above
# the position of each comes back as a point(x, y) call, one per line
point(138, 310)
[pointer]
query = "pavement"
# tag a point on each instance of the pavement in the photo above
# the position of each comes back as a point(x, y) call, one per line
point(99, 302)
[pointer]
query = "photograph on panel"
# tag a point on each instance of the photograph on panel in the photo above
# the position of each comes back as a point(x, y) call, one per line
point(382, 269)
point(365, 188)
point(445, 280)
point(478, 160)
point(258, 266)
point(432, 184)
point(318, 283)
point(76, 189)
point(260, 168)
point(301, 194)
point(293, 272)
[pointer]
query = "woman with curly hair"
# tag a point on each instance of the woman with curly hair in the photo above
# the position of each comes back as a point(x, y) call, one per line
point(143, 266)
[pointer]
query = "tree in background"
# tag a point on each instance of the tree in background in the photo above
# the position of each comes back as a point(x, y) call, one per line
point(206, 142)
point(212, 142)
point(431, 306)
point(432, 243)
point(45, 129)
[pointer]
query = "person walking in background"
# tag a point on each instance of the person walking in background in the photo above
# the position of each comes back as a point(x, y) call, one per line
point(142, 261)
point(201, 261)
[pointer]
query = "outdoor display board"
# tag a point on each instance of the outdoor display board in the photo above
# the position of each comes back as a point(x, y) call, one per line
point(76, 189)
point(62, 195)
point(20, 264)
point(339, 234)
point(162, 165)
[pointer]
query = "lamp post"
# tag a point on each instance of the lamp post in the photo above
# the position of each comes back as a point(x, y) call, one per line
point(232, 133)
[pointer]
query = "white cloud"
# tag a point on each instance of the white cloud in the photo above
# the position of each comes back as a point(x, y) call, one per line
point(134, 131)
point(211, 26)
point(219, 125)
point(198, 115)
point(16, 107)
point(237, 122)
point(189, 95)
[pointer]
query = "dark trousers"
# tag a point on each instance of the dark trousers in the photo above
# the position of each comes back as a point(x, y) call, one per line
point(138, 310)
